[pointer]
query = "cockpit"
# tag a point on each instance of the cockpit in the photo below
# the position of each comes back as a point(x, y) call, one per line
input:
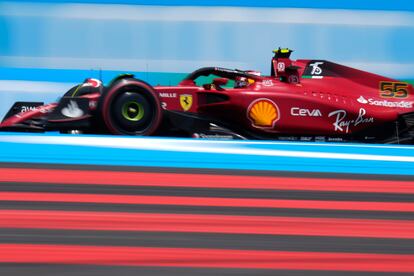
point(219, 78)
point(216, 78)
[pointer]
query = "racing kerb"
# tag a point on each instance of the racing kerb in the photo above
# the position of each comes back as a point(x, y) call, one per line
point(106, 205)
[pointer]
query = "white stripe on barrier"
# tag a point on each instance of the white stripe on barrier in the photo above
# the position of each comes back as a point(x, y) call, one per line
point(208, 14)
point(119, 64)
point(17, 86)
point(196, 146)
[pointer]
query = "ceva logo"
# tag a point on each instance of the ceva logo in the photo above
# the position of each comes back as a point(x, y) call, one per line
point(303, 112)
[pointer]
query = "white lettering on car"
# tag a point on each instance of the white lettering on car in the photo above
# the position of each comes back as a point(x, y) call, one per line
point(303, 112)
point(316, 70)
point(342, 123)
point(168, 95)
point(385, 103)
point(27, 108)
point(267, 83)
point(93, 104)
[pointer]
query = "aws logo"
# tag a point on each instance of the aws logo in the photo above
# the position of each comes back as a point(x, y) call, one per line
point(263, 113)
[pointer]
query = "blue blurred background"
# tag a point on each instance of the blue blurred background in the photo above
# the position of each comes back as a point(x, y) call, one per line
point(48, 46)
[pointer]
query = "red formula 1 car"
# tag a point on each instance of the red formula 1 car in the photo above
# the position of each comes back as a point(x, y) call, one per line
point(306, 100)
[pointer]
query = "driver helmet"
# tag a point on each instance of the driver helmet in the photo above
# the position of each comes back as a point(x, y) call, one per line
point(241, 82)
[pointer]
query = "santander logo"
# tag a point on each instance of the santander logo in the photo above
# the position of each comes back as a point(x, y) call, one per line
point(362, 100)
point(385, 103)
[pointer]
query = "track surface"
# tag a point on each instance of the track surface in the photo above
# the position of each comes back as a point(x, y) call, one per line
point(100, 221)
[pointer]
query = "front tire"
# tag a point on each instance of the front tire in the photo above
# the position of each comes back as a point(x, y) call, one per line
point(131, 107)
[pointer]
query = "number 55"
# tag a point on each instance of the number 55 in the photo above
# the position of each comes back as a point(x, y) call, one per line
point(393, 89)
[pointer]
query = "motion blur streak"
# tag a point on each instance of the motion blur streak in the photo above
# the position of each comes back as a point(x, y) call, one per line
point(202, 201)
point(231, 222)
point(142, 256)
point(180, 39)
point(206, 224)
point(203, 180)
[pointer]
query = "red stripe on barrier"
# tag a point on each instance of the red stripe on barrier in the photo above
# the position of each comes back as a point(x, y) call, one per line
point(209, 201)
point(206, 223)
point(202, 180)
point(209, 258)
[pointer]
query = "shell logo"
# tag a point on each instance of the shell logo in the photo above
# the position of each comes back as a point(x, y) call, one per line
point(263, 113)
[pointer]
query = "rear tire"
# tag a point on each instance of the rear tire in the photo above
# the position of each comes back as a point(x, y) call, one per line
point(131, 107)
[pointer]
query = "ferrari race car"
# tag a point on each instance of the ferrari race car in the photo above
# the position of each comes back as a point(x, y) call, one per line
point(305, 100)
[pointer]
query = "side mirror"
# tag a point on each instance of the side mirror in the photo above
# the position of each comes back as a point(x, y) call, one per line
point(220, 81)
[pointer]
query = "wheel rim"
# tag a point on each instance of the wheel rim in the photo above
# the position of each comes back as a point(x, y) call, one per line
point(133, 111)
point(119, 98)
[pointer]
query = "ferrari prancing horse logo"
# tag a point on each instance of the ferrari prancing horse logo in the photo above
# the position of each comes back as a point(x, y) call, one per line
point(186, 101)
